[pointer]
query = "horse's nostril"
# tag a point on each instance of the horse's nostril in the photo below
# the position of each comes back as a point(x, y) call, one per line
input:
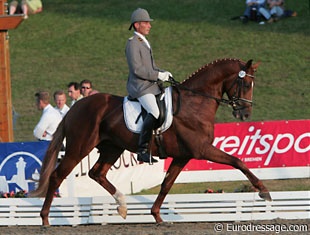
point(245, 116)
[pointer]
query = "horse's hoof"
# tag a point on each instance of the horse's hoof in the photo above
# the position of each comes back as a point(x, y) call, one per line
point(122, 211)
point(45, 227)
point(164, 224)
point(45, 223)
point(265, 195)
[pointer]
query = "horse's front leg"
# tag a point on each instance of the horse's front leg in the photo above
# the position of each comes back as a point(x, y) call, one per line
point(174, 170)
point(218, 156)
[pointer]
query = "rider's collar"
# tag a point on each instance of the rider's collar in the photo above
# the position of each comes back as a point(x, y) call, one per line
point(143, 38)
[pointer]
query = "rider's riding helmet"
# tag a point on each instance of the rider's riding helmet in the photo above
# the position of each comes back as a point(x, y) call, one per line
point(139, 15)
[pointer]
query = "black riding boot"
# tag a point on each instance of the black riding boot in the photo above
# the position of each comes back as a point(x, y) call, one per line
point(145, 138)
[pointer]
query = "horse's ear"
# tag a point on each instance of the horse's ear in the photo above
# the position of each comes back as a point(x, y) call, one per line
point(248, 64)
point(255, 66)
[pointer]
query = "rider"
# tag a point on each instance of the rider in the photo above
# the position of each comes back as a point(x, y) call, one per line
point(143, 77)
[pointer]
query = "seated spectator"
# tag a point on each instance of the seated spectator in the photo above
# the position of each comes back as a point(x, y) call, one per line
point(252, 10)
point(86, 87)
point(26, 7)
point(74, 92)
point(275, 11)
point(60, 101)
point(49, 120)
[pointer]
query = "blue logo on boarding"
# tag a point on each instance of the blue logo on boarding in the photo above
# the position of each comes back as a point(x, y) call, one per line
point(18, 168)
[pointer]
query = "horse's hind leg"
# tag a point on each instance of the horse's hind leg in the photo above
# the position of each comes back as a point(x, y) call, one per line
point(59, 174)
point(108, 156)
point(174, 170)
point(218, 156)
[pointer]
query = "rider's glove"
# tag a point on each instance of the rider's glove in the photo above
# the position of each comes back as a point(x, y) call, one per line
point(164, 76)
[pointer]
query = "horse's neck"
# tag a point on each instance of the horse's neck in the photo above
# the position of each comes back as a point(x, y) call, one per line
point(210, 75)
point(208, 83)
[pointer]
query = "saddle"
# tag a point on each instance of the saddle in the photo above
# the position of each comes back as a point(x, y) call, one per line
point(134, 114)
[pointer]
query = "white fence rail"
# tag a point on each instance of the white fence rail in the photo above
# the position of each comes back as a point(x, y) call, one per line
point(176, 208)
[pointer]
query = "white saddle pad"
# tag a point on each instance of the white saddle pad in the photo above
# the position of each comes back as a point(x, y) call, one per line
point(132, 110)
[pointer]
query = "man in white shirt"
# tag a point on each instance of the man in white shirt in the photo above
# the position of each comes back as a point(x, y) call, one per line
point(250, 5)
point(74, 92)
point(60, 99)
point(49, 120)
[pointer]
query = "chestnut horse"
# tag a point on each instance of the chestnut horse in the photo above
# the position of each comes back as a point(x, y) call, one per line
point(97, 122)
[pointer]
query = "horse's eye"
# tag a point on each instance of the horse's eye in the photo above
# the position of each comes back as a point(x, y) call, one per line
point(247, 85)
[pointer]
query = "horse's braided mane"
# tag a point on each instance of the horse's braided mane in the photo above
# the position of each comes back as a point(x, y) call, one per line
point(206, 66)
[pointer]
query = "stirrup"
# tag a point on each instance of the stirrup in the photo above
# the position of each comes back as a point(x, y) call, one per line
point(144, 156)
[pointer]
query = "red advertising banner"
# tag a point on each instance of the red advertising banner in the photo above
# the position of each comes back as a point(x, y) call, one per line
point(260, 144)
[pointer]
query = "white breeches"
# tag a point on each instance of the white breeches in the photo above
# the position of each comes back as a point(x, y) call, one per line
point(149, 103)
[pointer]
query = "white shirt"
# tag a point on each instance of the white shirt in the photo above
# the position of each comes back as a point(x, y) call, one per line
point(62, 111)
point(74, 101)
point(48, 123)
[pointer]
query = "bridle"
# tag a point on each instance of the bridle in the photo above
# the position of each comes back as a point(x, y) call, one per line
point(234, 101)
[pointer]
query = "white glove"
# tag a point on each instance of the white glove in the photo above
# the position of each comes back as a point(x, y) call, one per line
point(164, 76)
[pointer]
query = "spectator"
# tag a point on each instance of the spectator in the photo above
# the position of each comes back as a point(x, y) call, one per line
point(252, 10)
point(49, 120)
point(275, 11)
point(26, 7)
point(86, 87)
point(60, 101)
point(74, 92)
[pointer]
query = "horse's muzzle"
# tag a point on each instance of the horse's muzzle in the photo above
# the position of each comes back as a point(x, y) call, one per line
point(242, 114)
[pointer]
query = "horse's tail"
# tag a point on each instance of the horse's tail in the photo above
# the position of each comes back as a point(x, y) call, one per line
point(49, 161)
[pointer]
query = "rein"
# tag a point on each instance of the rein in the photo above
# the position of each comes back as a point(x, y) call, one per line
point(233, 101)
